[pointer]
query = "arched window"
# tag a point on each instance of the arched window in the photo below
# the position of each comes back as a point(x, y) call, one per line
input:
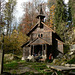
point(40, 35)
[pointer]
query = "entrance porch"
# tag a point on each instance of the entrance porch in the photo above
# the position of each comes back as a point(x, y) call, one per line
point(40, 50)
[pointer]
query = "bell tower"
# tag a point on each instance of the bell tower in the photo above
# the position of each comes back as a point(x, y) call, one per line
point(41, 15)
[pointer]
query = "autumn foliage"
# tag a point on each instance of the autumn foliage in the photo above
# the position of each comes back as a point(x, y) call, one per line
point(29, 18)
point(52, 13)
point(13, 43)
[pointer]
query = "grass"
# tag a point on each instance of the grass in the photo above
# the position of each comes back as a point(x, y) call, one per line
point(11, 65)
point(72, 61)
point(22, 61)
point(16, 63)
point(37, 66)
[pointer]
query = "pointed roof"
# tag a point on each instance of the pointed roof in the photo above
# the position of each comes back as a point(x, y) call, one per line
point(38, 41)
point(37, 26)
point(25, 44)
point(40, 10)
point(60, 41)
point(41, 14)
point(33, 28)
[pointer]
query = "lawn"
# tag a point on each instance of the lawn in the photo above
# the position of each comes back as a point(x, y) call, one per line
point(23, 67)
point(20, 67)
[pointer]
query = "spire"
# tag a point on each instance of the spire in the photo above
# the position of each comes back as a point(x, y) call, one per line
point(40, 9)
point(41, 14)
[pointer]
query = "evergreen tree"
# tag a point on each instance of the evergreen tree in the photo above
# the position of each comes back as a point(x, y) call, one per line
point(72, 11)
point(60, 18)
point(70, 33)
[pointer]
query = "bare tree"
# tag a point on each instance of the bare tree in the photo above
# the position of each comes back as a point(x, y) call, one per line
point(2, 2)
point(9, 8)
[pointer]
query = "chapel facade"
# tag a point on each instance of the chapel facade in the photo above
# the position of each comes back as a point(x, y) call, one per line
point(43, 40)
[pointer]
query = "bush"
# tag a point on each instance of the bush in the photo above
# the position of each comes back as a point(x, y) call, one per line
point(11, 65)
point(72, 61)
point(13, 43)
point(66, 49)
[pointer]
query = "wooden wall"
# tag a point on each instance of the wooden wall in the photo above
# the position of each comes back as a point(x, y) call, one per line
point(44, 33)
point(26, 52)
point(60, 46)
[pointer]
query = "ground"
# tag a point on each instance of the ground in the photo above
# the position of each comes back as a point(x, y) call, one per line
point(23, 67)
point(18, 67)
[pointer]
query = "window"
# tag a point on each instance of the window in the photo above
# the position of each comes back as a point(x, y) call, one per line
point(40, 35)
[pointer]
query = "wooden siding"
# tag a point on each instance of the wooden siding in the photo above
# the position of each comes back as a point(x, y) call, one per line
point(51, 38)
point(39, 41)
point(60, 46)
point(45, 32)
point(43, 40)
point(25, 52)
point(43, 36)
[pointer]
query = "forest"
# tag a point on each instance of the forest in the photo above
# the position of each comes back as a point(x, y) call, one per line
point(59, 16)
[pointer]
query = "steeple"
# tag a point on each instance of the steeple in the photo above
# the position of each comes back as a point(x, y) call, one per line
point(41, 14)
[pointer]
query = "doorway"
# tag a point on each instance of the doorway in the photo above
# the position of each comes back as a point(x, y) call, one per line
point(38, 49)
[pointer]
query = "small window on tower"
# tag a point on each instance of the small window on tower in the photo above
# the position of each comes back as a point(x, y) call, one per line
point(38, 35)
point(41, 35)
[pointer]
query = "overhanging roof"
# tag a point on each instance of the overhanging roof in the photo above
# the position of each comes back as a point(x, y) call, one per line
point(38, 41)
point(37, 26)
point(33, 28)
point(25, 44)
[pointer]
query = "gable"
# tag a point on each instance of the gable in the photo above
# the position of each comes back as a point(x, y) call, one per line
point(33, 29)
point(38, 41)
point(47, 27)
point(37, 29)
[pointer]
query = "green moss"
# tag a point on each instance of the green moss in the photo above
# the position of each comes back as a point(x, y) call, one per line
point(22, 61)
point(72, 61)
point(66, 49)
point(39, 67)
point(11, 65)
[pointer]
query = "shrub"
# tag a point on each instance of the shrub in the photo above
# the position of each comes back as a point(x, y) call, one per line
point(66, 49)
point(72, 61)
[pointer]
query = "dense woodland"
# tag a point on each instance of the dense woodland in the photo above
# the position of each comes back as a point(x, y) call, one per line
point(59, 16)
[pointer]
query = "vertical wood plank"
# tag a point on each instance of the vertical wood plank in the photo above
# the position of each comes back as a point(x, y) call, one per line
point(24, 52)
point(46, 49)
point(42, 49)
point(30, 50)
point(33, 49)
